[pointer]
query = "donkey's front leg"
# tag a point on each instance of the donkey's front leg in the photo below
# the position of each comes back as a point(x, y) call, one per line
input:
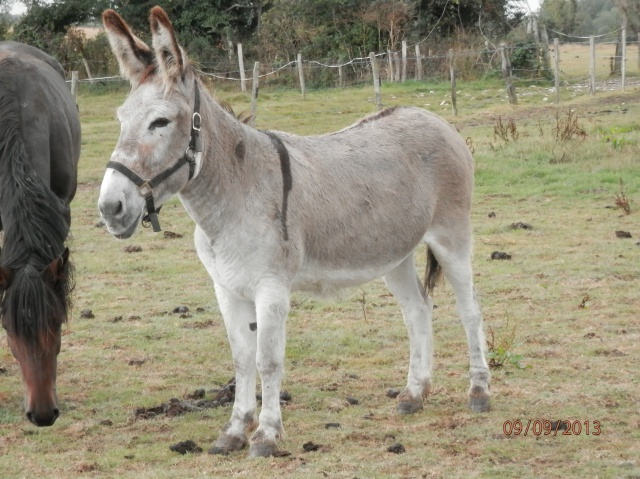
point(240, 321)
point(272, 308)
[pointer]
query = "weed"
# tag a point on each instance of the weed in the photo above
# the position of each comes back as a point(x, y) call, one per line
point(622, 201)
point(567, 128)
point(500, 348)
point(502, 131)
point(612, 136)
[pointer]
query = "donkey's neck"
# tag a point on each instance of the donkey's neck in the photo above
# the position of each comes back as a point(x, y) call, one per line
point(216, 188)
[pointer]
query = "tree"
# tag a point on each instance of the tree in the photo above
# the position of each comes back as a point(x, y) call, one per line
point(559, 15)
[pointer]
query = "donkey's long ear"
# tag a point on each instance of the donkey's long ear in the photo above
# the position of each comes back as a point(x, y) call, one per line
point(170, 57)
point(133, 55)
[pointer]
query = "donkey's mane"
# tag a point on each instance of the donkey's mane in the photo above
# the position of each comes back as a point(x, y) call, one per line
point(34, 226)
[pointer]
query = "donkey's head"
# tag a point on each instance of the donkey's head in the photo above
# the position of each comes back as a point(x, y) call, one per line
point(156, 153)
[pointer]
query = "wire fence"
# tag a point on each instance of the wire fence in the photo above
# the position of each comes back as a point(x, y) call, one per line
point(573, 56)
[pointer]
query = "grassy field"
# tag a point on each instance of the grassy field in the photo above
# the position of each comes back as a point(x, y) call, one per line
point(564, 308)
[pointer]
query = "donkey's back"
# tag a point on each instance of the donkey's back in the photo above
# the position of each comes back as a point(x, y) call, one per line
point(363, 198)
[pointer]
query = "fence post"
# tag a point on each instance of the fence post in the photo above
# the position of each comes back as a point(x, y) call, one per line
point(418, 64)
point(556, 47)
point(592, 65)
point(545, 48)
point(254, 92)
point(452, 71)
point(241, 67)
point(404, 61)
point(74, 85)
point(506, 73)
point(390, 62)
point(86, 67)
point(301, 75)
point(376, 79)
point(623, 65)
point(396, 61)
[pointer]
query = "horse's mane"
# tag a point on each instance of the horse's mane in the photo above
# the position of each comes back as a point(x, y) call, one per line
point(35, 230)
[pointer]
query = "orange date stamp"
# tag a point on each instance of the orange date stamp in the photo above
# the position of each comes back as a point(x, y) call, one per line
point(544, 427)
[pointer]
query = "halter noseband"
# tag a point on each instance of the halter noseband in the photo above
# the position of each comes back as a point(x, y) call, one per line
point(146, 186)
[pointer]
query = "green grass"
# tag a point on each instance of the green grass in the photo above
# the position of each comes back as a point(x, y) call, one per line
point(581, 359)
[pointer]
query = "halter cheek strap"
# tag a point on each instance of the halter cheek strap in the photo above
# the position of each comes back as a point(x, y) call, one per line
point(146, 186)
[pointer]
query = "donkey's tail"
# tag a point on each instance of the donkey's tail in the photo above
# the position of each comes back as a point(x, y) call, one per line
point(432, 274)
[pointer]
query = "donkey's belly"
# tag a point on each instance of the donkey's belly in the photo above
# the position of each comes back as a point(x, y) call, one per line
point(324, 280)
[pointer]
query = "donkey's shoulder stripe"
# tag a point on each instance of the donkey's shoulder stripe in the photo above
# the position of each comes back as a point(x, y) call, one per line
point(287, 177)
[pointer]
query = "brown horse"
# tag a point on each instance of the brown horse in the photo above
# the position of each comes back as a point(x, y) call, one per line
point(276, 212)
point(39, 151)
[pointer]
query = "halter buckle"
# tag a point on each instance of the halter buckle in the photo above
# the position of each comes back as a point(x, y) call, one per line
point(145, 188)
point(196, 121)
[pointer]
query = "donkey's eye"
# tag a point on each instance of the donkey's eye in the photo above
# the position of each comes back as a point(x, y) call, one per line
point(159, 123)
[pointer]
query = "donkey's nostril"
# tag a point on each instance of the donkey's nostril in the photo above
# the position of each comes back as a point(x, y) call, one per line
point(111, 208)
point(56, 413)
point(30, 417)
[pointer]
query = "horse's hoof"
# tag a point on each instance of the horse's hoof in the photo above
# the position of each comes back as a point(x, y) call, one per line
point(226, 444)
point(409, 406)
point(263, 449)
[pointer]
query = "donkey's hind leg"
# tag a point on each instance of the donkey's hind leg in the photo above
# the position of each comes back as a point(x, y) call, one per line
point(404, 284)
point(454, 256)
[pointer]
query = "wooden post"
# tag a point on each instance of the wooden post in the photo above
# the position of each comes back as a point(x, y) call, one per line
point(592, 65)
point(556, 47)
point(254, 92)
point(404, 61)
point(86, 67)
point(74, 85)
point(376, 79)
point(418, 63)
point(623, 37)
point(301, 75)
point(340, 77)
point(396, 62)
point(545, 48)
point(452, 71)
point(243, 87)
point(506, 73)
point(390, 62)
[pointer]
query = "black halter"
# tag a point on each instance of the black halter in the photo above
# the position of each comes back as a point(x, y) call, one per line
point(146, 186)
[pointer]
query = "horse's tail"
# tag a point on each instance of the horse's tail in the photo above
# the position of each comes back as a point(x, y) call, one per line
point(432, 274)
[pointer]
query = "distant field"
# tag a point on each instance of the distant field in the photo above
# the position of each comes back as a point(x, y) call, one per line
point(565, 306)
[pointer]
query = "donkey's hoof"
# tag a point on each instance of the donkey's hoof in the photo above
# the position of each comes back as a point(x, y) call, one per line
point(479, 399)
point(407, 404)
point(226, 444)
point(409, 407)
point(218, 450)
point(263, 449)
point(480, 404)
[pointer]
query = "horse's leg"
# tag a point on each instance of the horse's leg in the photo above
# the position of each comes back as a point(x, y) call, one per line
point(454, 256)
point(404, 284)
point(239, 318)
point(272, 308)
